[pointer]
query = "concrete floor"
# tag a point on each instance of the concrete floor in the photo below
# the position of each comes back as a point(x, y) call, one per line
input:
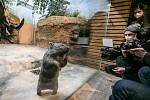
point(18, 83)
point(98, 87)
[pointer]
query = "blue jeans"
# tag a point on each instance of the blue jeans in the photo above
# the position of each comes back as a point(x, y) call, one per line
point(131, 90)
point(144, 75)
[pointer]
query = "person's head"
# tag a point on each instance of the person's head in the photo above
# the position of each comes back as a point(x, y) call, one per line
point(130, 32)
point(138, 11)
point(138, 14)
point(129, 35)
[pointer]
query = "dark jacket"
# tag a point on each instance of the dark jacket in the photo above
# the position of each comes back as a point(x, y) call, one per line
point(146, 59)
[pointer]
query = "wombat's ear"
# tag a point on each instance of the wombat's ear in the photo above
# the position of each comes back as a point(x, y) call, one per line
point(51, 44)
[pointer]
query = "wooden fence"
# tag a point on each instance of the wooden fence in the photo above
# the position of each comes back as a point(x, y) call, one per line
point(117, 21)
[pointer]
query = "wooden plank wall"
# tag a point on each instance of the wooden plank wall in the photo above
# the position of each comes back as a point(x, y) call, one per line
point(118, 19)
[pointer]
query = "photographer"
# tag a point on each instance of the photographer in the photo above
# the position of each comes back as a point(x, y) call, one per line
point(131, 90)
point(127, 65)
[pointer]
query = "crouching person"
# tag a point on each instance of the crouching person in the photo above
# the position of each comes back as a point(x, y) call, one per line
point(53, 60)
point(127, 65)
point(131, 90)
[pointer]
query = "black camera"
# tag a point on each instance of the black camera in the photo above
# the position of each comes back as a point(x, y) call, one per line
point(109, 53)
point(130, 45)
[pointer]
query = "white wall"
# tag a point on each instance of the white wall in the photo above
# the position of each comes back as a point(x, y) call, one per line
point(25, 12)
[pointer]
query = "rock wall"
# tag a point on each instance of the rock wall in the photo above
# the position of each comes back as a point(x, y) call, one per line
point(56, 29)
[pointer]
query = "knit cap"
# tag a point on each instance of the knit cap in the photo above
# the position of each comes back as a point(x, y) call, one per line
point(135, 28)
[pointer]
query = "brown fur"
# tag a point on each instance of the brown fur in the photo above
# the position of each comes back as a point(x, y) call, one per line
point(54, 59)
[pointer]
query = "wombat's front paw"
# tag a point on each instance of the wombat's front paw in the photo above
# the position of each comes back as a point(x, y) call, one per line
point(36, 71)
point(39, 93)
point(36, 64)
point(54, 92)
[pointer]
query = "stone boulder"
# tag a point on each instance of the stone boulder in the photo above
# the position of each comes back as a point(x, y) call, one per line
point(56, 29)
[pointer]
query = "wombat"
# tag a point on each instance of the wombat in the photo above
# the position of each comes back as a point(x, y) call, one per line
point(53, 60)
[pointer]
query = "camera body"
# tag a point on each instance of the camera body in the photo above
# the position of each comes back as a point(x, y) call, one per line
point(130, 45)
point(109, 53)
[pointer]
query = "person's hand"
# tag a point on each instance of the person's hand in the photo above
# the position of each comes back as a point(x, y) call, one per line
point(125, 53)
point(139, 52)
point(119, 70)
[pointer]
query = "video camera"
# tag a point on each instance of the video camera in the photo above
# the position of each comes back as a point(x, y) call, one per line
point(130, 45)
point(109, 53)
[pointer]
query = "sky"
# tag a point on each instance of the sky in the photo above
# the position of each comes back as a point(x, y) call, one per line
point(87, 9)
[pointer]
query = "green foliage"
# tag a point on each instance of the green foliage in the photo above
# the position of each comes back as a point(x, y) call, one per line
point(6, 1)
point(72, 14)
point(51, 7)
